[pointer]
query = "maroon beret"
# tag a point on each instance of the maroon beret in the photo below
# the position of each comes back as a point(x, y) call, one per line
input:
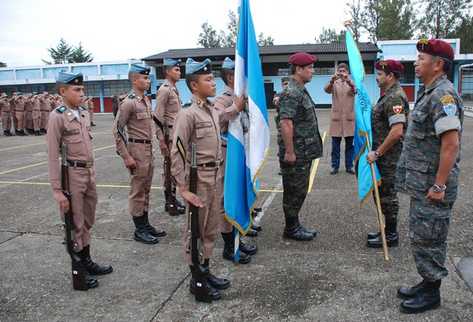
point(390, 66)
point(436, 47)
point(302, 59)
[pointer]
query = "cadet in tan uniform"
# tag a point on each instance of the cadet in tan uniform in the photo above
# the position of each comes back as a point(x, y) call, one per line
point(90, 107)
point(36, 113)
point(6, 115)
point(45, 108)
point(68, 125)
point(135, 116)
point(199, 125)
point(29, 113)
point(19, 112)
point(168, 105)
point(228, 106)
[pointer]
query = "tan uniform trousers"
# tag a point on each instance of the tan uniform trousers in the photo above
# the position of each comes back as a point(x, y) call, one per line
point(6, 120)
point(44, 119)
point(20, 119)
point(84, 201)
point(29, 119)
point(141, 178)
point(36, 115)
point(225, 226)
point(210, 218)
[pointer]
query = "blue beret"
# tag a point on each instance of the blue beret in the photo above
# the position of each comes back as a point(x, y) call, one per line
point(134, 68)
point(228, 64)
point(70, 78)
point(197, 67)
point(169, 62)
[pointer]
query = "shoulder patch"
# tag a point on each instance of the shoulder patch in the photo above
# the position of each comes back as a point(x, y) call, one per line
point(397, 109)
point(61, 109)
point(448, 104)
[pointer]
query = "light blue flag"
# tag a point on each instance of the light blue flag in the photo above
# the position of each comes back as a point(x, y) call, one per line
point(248, 134)
point(363, 108)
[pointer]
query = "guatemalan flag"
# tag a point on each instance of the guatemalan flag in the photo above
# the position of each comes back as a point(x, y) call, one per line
point(363, 137)
point(246, 145)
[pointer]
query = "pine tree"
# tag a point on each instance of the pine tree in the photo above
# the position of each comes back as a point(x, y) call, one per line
point(80, 55)
point(60, 54)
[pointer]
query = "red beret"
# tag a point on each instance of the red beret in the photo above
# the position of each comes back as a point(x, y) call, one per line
point(302, 59)
point(390, 66)
point(436, 47)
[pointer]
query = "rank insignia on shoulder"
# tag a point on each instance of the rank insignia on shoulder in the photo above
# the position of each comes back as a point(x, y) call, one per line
point(397, 109)
point(61, 109)
point(132, 95)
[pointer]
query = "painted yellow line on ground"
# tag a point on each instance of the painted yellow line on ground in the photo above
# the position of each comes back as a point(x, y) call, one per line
point(315, 165)
point(113, 186)
point(45, 162)
point(22, 146)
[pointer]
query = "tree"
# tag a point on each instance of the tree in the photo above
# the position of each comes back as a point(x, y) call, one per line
point(2, 64)
point(60, 54)
point(371, 17)
point(355, 10)
point(464, 32)
point(80, 55)
point(442, 17)
point(330, 35)
point(396, 20)
point(208, 37)
point(265, 40)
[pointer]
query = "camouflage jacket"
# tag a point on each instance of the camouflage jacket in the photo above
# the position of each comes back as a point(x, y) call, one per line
point(438, 109)
point(297, 105)
point(391, 108)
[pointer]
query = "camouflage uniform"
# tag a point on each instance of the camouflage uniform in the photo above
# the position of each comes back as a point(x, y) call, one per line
point(438, 109)
point(391, 108)
point(297, 105)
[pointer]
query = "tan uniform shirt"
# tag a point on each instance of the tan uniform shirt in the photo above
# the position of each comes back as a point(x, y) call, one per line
point(75, 133)
point(168, 105)
point(134, 114)
point(197, 124)
point(342, 122)
point(225, 106)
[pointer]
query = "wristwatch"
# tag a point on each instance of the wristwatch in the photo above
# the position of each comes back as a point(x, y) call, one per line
point(439, 188)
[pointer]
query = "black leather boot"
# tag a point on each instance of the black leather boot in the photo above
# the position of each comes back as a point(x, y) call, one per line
point(425, 299)
point(37, 133)
point(43, 131)
point(214, 281)
point(248, 248)
point(295, 231)
point(91, 267)
point(90, 281)
point(153, 231)
point(251, 233)
point(7, 133)
point(199, 286)
point(406, 292)
point(229, 249)
point(181, 209)
point(373, 235)
point(142, 234)
point(392, 237)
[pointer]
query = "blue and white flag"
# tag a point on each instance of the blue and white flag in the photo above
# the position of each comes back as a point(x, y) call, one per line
point(249, 133)
point(363, 109)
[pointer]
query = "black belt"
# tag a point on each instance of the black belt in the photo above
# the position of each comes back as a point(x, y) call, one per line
point(80, 164)
point(170, 126)
point(131, 140)
point(211, 164)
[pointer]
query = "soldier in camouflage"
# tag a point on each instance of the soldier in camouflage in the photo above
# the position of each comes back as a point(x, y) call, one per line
point(428, 172)
point(299, 143)
point(388, 124)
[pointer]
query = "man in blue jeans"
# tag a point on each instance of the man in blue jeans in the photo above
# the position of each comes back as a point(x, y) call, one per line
point(342, 119)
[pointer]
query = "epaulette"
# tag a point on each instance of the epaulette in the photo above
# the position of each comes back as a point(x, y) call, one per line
point(165, 85)
point(81, 108)
point(227, 93)
point(61, 109)
point(132, 95)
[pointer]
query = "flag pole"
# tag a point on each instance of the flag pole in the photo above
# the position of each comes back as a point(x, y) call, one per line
point(381, 222)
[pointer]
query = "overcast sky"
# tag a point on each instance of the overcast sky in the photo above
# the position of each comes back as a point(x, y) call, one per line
point(115, 30)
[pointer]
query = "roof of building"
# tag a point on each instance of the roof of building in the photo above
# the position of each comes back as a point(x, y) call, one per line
point(332, 48)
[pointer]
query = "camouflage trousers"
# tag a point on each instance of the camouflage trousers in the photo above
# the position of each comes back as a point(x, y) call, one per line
point(428, 230)
point(295, 180)
point(388, 195)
